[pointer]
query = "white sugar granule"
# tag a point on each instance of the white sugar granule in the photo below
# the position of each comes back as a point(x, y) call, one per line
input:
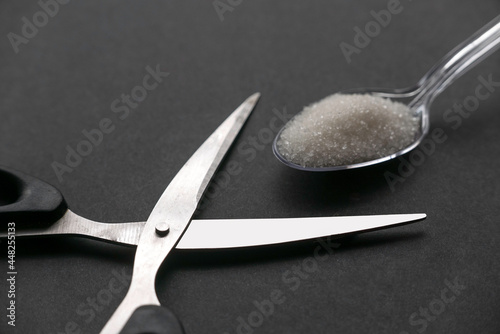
point(347, 129)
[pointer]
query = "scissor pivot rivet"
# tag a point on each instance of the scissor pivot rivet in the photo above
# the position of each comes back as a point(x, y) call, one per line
point(162, 229)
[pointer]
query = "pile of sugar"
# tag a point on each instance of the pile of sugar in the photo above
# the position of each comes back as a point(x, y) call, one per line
point(347, 129)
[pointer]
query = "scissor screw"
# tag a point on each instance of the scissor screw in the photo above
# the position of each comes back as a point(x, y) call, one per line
point(162, 229)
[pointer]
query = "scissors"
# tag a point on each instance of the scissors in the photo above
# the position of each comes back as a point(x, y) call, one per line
point(39, 209)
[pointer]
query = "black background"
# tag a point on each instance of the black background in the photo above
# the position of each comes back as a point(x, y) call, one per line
point(64, 80)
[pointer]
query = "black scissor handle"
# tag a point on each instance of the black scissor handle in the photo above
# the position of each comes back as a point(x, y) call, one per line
point(29, 201)
point(152, 319)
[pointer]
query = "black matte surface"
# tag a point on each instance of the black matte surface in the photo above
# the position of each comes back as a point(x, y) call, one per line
point(64, 80)
point(28, 201)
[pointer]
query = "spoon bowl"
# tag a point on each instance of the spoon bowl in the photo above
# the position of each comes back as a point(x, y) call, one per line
point(418, 112)
point(419, 97)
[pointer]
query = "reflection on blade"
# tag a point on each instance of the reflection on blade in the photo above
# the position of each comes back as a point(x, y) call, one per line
point(213, 234)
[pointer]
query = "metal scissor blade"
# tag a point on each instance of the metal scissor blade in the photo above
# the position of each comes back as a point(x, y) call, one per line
point(172, 214)
point(184, 192)
point(234, 233)
point(224, 233)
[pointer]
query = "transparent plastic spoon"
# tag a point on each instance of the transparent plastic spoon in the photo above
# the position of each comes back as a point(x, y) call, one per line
point(462, 58)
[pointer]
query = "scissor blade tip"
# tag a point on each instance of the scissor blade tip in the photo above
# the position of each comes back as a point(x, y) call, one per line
point(416, 217)
point(254, 98)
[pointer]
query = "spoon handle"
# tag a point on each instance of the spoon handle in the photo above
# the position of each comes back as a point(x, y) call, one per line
point(462, 58)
